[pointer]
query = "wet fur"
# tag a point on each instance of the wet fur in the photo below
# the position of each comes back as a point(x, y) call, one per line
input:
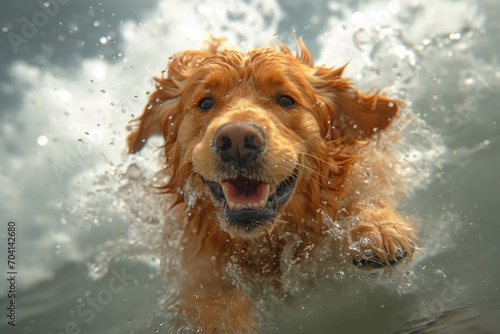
point(323, 139)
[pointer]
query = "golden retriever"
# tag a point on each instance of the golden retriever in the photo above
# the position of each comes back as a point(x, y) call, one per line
point(269, 143)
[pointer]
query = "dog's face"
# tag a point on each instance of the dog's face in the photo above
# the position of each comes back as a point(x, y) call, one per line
point(248, 129)
point(253, 128)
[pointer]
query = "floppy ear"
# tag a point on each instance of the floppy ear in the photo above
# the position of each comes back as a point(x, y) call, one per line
point(150, 122)
point(359, 115)
point(160, 116)
point(355, 115)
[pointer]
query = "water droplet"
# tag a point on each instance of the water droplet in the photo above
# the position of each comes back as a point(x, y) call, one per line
point(469, 81)
point(103, 40)
point(340, 275)
point(440, 272)
point(42, 140)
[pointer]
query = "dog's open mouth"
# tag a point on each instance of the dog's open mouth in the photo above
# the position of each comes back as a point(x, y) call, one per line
point(243, 193)
point(249, 203)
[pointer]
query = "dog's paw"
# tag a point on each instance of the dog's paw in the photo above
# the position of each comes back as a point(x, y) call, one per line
point(381, 239)
point(370, 260)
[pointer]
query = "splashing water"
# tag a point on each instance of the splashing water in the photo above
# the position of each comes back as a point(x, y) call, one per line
point(388, 56)
point(390, 50)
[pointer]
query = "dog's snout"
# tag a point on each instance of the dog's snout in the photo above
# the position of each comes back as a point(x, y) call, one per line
point(239, 141)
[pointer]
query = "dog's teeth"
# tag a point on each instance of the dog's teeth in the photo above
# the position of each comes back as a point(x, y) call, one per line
point(225, 191)
point(255, 205)
point(265, 195)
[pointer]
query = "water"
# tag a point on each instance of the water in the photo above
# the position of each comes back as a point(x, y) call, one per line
point(89, 253)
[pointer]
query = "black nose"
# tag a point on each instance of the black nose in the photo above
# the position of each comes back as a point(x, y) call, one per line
point(239, 141)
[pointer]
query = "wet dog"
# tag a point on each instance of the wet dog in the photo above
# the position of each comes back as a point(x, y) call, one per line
point(269, 143)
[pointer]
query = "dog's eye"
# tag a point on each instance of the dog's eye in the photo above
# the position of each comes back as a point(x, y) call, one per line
point(285, 101)
point(206, 104)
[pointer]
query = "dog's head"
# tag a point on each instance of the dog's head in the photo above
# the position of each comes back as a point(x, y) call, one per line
point(254, 129)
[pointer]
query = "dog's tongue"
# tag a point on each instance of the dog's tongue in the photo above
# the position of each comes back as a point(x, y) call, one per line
point(243, 193)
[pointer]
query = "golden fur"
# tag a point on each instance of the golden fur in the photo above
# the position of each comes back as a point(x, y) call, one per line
point(315, 143)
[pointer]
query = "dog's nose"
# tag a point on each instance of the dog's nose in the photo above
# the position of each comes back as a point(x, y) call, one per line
point(239, 141)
